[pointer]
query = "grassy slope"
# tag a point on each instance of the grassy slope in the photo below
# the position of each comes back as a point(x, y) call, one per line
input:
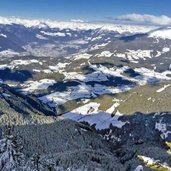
point(143, 99)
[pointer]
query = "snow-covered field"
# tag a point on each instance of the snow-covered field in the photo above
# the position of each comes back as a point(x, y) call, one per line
point(90, 113)
point(43, 84)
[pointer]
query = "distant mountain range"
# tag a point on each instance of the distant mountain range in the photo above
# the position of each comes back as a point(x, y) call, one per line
point(33, 36)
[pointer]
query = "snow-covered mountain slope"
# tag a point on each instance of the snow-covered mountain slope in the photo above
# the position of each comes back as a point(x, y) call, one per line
point(74, 25)
point(164, 33)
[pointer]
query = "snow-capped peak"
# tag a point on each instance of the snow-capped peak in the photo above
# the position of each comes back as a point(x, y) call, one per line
point(25, 22)
point(75, 25)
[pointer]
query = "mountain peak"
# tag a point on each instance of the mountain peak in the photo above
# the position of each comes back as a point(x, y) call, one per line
point(74, 24)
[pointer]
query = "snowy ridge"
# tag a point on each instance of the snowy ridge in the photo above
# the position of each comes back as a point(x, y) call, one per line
point(76, 25)
point(161, 33)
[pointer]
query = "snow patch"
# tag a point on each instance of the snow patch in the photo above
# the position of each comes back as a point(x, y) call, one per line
point(38, 85)
point(82, 56)
point(112, 108)
point(8, 53)
point(24, 62)
point(163, 88)
point(105, 54)
point(139, 168)
point(162, 127)
point(53, 34)
point(4, 66)
point(3, 35)
point(166, 49)
point(89, 113)
point(163, 34)
point(138, 54)
point(41, 37)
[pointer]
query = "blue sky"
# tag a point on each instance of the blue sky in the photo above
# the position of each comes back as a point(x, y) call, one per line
point(82, 9)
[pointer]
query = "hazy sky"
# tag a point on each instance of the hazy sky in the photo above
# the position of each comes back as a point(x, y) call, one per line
point(83, 9)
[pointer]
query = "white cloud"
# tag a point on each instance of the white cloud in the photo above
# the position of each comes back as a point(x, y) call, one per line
point(160, 20)
point(77, 20)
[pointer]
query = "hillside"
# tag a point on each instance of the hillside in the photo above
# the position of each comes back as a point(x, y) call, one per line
point(103, 146)
point(16, 108)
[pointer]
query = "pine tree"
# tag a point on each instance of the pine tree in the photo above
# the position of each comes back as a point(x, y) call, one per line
point(11, 158)
point(34, 164)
